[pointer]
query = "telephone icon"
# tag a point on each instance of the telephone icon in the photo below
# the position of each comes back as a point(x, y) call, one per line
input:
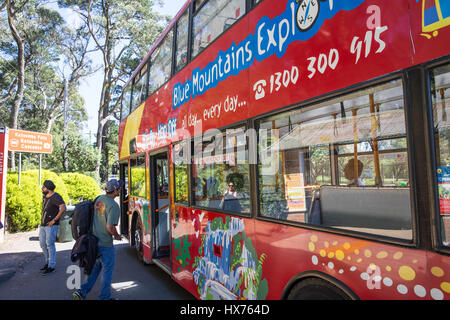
point(258, 87)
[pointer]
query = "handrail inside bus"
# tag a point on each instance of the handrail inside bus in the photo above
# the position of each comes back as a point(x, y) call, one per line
point(162, 208)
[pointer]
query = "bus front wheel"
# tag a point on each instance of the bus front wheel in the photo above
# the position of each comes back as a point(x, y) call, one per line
point(316, 289)
point(138, 237)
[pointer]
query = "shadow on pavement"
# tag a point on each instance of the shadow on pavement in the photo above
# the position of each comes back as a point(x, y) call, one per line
point(10, 263)
point(20, 277)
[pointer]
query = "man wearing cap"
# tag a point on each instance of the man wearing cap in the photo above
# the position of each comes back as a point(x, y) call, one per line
point(53, 207)
point(106, 218)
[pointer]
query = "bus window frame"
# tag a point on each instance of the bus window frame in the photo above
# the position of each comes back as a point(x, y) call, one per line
point(191, 193)
point(437, 240)
point(130, 178)
point(119, 101)
point(414, 241)
point(254, 3)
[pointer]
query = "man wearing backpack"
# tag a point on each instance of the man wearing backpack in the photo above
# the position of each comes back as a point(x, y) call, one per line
point(106, 218)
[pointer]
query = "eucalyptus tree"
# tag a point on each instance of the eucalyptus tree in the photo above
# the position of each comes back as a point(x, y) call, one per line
point(34, 49)
point(122, 31)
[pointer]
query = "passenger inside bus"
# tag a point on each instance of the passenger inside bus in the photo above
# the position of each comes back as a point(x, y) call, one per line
point(349, 173)
point(231, 200)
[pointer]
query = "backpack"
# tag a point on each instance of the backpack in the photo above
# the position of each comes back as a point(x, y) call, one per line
point(82, 218)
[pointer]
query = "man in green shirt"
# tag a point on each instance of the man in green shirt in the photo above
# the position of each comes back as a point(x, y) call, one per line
point(106, 218)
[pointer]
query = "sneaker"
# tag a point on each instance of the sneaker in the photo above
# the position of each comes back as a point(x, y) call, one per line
point(48, 270)
point(44, 268)
point(77, 295)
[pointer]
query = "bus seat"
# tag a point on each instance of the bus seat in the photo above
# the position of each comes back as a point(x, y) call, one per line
point(363, 207)
point(314, 215)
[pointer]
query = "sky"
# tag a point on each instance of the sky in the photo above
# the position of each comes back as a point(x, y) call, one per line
point(90, 87)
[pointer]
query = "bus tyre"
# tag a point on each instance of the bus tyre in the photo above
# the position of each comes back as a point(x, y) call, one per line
point(316, 289)
point(138, 234)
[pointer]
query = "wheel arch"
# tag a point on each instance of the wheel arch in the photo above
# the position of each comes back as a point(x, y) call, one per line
point(298, 278)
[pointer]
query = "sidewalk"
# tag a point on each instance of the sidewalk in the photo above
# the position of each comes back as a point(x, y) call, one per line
point(19, 249)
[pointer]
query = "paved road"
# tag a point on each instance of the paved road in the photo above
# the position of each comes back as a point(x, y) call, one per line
point(131, 281)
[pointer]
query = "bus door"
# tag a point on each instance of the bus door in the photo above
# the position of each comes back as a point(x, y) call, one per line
point(123, 175)
point(159, 178)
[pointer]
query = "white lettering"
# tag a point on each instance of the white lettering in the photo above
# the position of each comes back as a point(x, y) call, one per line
point(74, 280)
point(260, 51)
point(282, 38)
point(272, 41)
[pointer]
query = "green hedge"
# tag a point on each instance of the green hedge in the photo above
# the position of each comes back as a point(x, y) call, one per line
point(80, 187)
point(24, 205)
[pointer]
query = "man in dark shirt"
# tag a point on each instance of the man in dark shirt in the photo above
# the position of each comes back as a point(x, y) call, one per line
point(53, 207)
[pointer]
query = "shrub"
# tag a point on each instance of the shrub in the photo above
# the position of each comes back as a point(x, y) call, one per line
point(92, 174)
point(80, 187)
point(24, 205)
point(49, 175)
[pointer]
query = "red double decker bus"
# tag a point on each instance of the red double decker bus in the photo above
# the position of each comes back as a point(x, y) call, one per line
point(293, 149)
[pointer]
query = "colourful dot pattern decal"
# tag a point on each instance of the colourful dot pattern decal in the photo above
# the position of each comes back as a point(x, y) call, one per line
point(379, 269)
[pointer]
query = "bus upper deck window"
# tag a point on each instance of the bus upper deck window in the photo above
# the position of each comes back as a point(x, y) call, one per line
point(182, 41)
point(126, 101)
point(161, 63)
point(212, 19)
point(139, 88)
point(440, 94)
point(341, 163)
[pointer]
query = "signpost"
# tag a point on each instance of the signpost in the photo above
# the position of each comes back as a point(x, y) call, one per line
point(19, 141)
point(3, 171)
point(29, 141)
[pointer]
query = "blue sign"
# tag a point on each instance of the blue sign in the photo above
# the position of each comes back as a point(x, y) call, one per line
point(443, 174)
point(301, 20)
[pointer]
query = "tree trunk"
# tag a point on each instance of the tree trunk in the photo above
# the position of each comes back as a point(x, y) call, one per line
point(103, 118)
point(104, 113)
point(21, 73)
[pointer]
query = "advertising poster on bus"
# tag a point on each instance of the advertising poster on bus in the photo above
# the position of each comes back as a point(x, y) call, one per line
point(443, 174)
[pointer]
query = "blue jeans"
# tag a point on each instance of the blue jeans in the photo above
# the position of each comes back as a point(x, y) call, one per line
point(47, 238)
point(105, 262)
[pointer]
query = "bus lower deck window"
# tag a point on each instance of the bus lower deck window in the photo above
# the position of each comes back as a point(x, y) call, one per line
point(341, 163)
point(220, 171)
